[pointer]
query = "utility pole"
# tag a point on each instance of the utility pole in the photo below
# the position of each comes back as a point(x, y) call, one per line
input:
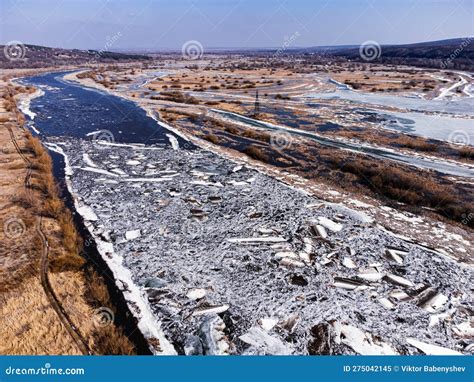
point(257, 105)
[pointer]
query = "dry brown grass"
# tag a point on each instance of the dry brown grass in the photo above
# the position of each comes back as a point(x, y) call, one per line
point(111, 340)
point(409, 187)
point(466, 152)
point(256, 153)
point(28, 325)
point(106, 339)
point(257, 135)
point(176, 96)
point(53, 208)
point(212, 138)
point(415, 143)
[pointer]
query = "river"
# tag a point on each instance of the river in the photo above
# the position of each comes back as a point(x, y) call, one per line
point(441, 119)
point(68, 109)
point(171, 250)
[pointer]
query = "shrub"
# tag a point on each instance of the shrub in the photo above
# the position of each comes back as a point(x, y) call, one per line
point(256, 153)
point(70, 239)
point(53, 207)
point(211, 138)
point(232, 130)
point(466, 152)
point(66, 262)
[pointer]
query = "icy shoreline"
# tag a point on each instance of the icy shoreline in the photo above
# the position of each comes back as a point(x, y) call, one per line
point(134, 297)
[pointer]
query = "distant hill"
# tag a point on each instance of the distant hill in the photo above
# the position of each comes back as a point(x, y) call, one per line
point(34, 56)
point(455, 53)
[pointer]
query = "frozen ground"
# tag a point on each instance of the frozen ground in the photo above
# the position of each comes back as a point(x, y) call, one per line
point(233, 261)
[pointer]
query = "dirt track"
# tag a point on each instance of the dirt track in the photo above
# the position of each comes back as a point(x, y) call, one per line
point(48, 290)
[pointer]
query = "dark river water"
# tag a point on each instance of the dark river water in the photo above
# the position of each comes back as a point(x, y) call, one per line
point(67, 109)
point(71, 110)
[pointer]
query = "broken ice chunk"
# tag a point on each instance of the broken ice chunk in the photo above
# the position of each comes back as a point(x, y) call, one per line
point(345, 283)
point(431, 300)
point(211, 310)
point(174, 192)
point(196, 294)
point(349, 263)
point(131, 235)
point(192, 200)
point(399, 295)
point(431, 349)
point(319, 231)
point(305, 256)
point(214, 341)
point(253, 240)
point(395, 255)
point(264, 343)
point(465, 329)
point(398, 280)
point(215, 199)
point(155, 283)
point(386, 303)
point(370, 275)
point(361, 342)
point(198, 214)
point(308, 246)
point(435, 319)
point(329, 224)
point(322, 339)
point(237, 183)
point(287, 262)
point(87, 213)
point(265, 231)
point(290, 323)
point(268, 323)
point(282, 255)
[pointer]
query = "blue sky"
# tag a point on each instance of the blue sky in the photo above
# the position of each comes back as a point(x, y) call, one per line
point(154, 24)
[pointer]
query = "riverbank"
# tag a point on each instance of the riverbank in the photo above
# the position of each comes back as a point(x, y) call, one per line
point(422, 227)
point(52, 301)
point(203, 238)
